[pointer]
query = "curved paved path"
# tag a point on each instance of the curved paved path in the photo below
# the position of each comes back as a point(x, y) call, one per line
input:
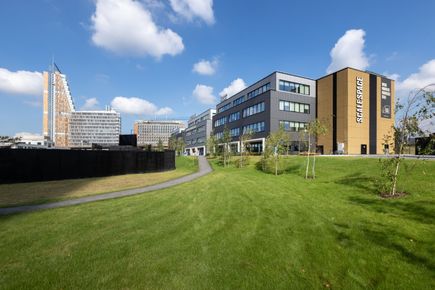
point(204, 168)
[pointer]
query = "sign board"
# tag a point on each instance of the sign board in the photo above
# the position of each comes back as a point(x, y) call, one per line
point(386, 98)
point(359, 99)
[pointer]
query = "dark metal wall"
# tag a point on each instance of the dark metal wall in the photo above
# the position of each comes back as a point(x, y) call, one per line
point(26, 165)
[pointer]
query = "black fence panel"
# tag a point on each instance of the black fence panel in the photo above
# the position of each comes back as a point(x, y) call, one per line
point(26, 165)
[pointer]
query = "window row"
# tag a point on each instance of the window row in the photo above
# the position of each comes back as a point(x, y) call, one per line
point(238, 101)
point(219, 135)
point(254, 128)
point(258, 91)
point(224, 108)
point(252, 110)
point(220, 121)
point(234, 117)
point(243, 98)
point(294, 87)
point(292, 126)
point(235, 132)
point(294, 107)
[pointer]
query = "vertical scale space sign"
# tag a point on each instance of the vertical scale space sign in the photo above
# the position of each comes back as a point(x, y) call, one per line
point(386, 98)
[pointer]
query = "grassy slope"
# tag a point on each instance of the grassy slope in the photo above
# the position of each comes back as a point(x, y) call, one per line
point(41, 192)
point(235, 229)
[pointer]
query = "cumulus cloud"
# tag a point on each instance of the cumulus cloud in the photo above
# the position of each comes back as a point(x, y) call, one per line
point(90, 104)
point(204, 94)
point(236, 86)
point(125, 27)
point(205, 67)
point(420, 79)
point(164, 111)
point(137, 106)
point(349, 51)
point(21, 82)
point(190, 9)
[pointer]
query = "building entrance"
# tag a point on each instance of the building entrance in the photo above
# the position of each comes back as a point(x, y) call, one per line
point(363, 149)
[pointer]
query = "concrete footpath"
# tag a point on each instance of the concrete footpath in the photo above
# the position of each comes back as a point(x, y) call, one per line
point(204, 169)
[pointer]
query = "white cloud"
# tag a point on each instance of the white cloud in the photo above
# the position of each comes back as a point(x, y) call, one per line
point(164, 111)
point(189, 9)
point(204, 94)
point(205, 67)
point(349, 52)
point(392, 76)
point(125, 27)
point(420, 79)
point(90, 104)
point(21, 82)
point(137, 106)
point(236, 86)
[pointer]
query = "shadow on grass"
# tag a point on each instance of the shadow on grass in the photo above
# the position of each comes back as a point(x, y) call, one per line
point(421, 211)
point(394, 241)
point(293, 169)
point(360, 181)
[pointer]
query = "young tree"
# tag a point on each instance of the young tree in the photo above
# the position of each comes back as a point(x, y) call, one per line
point(212, 143)
point(172, 143)
point(314, 129)
point(409, 114)
point(301, 139)
point(226, 151)
point(244, 147)
point(179, 145)
point(160, 146)
point(274, 147)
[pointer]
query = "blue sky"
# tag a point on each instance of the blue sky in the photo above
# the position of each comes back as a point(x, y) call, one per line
point(140, 56)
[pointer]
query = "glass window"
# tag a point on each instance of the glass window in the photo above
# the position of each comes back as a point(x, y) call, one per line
point(296, 107)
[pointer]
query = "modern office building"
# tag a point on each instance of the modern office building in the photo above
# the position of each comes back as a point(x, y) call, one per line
point(356, 106)
point(199, 128)
point(279, 99)
point(66, 127)
point(150, 132)
point(94, 127)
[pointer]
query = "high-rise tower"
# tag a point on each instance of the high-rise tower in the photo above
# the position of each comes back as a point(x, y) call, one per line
point(58, 105)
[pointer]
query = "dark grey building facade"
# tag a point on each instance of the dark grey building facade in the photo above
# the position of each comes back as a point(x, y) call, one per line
point(279, 99)
point(198, 130)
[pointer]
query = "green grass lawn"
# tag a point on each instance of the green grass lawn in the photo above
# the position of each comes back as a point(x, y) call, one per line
point(235, 229)
point(48, 191)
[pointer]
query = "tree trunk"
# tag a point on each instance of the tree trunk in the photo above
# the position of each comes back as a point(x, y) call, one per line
point(308, 157)
point(314, 165)
point(276, 165)
point(396, 172)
